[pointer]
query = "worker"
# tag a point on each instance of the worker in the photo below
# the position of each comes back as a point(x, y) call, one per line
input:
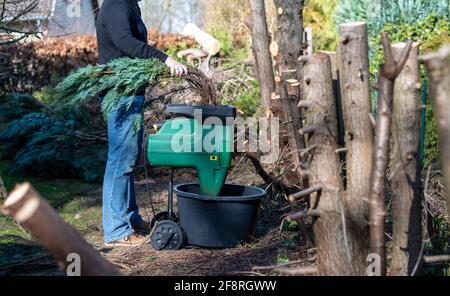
point(122, 33)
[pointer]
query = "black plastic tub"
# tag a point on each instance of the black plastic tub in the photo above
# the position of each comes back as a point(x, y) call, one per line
point(218, 221)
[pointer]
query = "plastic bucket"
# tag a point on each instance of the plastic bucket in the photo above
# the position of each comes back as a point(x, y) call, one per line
point(218, 221)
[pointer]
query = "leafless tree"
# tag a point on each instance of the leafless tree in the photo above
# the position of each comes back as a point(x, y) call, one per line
point(12, 11)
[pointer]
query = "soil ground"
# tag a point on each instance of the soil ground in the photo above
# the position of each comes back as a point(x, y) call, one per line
point(80, 205)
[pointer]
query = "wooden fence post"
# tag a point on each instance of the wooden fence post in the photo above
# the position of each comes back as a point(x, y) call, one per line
point(405, 165)
point(353, 65)
point(321, 128)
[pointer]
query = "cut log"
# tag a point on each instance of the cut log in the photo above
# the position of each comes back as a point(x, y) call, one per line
point(260, 46)
point(377, 196)
point(438, 67)
point(210, 44)
point(356, 107)
point(405, 165)
point(28, 208)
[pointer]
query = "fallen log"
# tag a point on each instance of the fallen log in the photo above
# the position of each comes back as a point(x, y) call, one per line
point(25, 205)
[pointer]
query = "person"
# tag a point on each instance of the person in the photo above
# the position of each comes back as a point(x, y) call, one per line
point(122, 33)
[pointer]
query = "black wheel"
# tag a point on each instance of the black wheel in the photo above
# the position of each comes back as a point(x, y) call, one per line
point(166, 235)
point(161, 216)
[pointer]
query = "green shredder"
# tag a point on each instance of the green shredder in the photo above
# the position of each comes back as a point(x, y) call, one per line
point(199, 137)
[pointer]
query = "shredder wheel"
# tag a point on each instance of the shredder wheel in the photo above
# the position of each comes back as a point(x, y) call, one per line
point(161, 216)
point(167, 235)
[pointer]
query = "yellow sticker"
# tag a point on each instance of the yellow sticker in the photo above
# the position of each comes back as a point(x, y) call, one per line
point(213, 157)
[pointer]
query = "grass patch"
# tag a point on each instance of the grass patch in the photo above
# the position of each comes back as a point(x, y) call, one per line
point(77, 202)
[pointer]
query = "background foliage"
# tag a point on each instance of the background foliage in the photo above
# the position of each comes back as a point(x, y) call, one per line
point(47, 142)
point(423, 21)
point(319, 14)
point(379, 13)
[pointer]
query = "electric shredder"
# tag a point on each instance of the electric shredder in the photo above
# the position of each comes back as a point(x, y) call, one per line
point(211, 212)
point(212, 166)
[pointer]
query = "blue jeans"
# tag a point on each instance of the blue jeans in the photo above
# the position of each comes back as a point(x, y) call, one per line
point(120, 211)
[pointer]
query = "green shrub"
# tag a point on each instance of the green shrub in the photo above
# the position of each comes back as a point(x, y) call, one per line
point(44, 142)
point(249, 100)
point(397, 12)
point(320, 15)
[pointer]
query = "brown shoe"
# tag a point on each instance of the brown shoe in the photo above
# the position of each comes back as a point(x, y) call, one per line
point(129, 241)
point(143, 228)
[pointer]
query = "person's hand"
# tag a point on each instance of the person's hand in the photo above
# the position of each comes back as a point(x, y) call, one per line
point(176, 68)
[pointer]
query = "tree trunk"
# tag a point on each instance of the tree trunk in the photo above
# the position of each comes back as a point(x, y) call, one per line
point(356, 133)
point(405, 165)
point(438, 66)
point(286, 50)
point(353, 68)
point(260, 46)
point(377, 212)
point(333, 254)
point(29, 209)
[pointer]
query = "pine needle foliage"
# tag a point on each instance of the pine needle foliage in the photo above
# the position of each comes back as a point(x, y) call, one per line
point(43, 145)
point(50, 142)
point(119, 79)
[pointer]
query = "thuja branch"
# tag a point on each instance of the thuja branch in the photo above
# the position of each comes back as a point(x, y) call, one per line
point(121, 79)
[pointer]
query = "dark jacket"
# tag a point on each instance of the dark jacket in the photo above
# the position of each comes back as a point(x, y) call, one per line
point(122, 33)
